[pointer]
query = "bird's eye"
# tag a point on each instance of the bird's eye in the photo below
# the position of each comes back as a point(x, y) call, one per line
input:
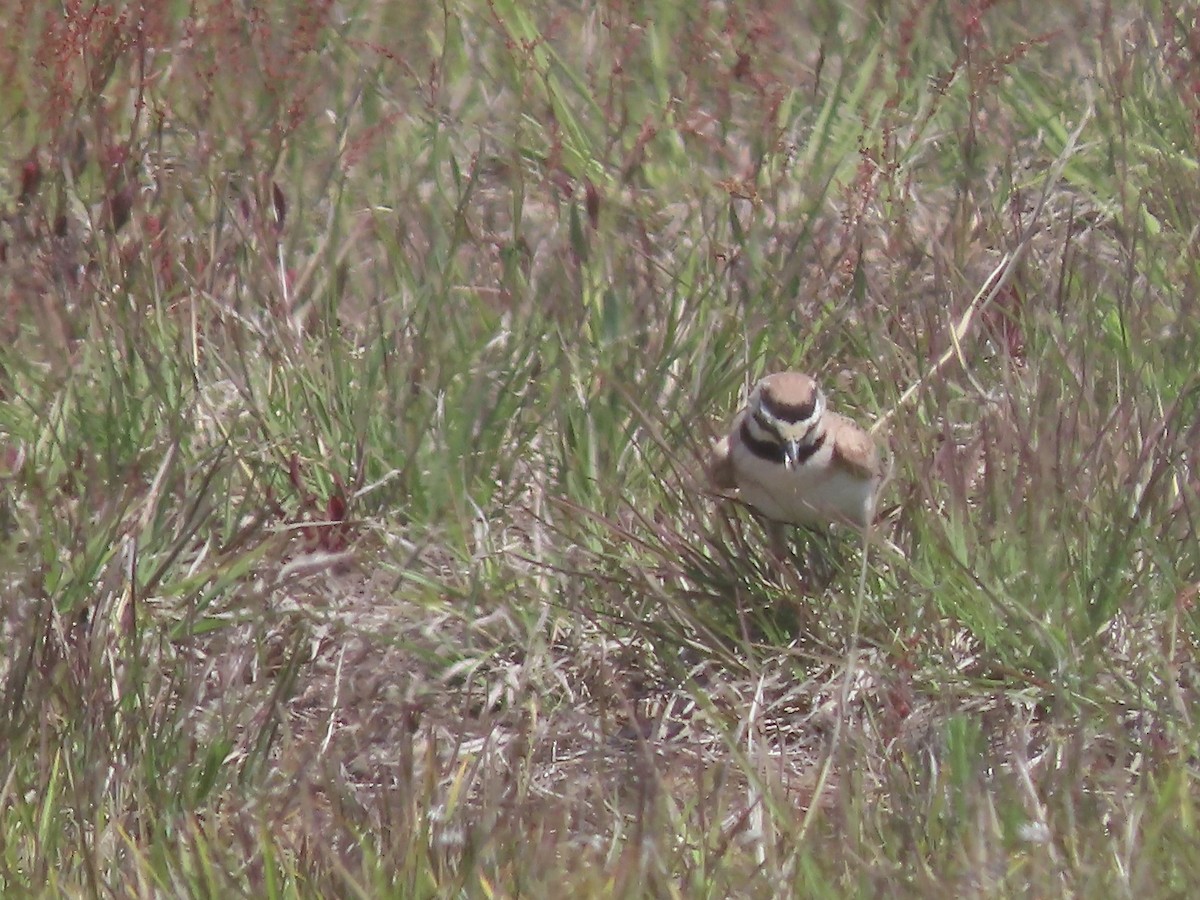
point(765, 422)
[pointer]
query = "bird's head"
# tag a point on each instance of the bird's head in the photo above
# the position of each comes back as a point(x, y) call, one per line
point(785, 409)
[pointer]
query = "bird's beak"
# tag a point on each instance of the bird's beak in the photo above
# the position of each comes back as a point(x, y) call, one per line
point(791, 453)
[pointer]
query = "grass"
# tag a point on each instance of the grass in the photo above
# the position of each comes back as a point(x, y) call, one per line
point(358, 365)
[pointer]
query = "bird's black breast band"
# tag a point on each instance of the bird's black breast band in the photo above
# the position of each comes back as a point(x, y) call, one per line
point(773, 452)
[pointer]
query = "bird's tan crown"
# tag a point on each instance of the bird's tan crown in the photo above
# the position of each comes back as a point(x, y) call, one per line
point(790, 396)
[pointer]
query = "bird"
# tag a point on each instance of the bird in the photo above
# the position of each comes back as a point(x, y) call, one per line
point(795, 461)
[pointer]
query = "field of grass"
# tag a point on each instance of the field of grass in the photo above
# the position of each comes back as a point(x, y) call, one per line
point(358, 362)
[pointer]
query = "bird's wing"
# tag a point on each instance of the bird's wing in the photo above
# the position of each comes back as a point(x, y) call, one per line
point(720, 466)
point(853, 448)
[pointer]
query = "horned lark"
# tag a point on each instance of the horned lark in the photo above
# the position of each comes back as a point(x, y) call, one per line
point(794, 461)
